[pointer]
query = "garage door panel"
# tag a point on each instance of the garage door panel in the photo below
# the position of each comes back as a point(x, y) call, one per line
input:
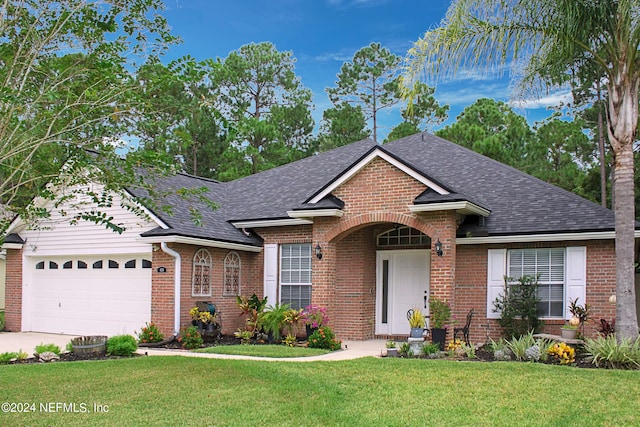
point(91, 301)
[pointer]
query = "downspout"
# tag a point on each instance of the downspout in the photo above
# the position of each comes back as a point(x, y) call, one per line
point(176, 285)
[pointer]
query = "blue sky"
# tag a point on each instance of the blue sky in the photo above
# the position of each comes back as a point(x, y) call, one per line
point(323, 34)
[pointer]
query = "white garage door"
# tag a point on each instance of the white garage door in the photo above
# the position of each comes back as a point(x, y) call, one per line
point(91, 295)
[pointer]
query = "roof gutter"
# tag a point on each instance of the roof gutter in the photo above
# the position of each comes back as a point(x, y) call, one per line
point(176, 285)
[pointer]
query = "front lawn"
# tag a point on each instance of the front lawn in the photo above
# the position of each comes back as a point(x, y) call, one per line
point(264, 350)
point(370, 391)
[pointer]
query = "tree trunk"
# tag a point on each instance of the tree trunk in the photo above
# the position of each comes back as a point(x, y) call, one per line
point(622, 123)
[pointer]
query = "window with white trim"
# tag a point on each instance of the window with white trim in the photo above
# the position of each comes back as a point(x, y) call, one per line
point(201, 283)
point(232, 266)
point(403, 236)
point(295, 275)
point(548, 265)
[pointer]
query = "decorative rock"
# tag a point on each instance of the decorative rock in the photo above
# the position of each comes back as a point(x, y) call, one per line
point(532, 353)
point(501, 355)
point(48, 356)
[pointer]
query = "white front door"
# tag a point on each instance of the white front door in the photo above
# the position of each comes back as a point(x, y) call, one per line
point(402, 284)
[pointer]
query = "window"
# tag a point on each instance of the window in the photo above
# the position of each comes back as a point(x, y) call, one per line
point(130, 264)
point(548, 265)
point(231, 274)
point(403, 236)
point(53, 265)
point(82, 265)
point(146, 263)
point(113, 264)
point(295, 275)
point(67, 265)
point(97, 265)
point(40, 265)
point(201, 284)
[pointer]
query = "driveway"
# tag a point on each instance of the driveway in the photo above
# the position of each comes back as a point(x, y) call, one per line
point(27, 341)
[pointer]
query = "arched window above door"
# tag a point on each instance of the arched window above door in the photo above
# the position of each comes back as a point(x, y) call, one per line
point(403, 236)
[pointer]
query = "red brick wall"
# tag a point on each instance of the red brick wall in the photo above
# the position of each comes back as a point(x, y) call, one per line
point(471, 286)
point(162, 298)
point(13, 291)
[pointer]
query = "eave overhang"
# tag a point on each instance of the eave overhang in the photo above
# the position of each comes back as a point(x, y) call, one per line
point(463, 206)
point(200, 242)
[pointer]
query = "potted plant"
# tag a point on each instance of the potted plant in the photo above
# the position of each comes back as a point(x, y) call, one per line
point(416, 322)
point(392, 350)
point(273, 319)
point(195, 316)
point(569, 331)
point(440, 314)
point(579, 314)
point(314, 317)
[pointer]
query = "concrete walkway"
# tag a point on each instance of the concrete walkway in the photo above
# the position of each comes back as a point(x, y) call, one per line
point(350, 350)
point(27, 342)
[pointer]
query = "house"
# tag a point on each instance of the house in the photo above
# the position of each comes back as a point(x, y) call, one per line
point(354, 229)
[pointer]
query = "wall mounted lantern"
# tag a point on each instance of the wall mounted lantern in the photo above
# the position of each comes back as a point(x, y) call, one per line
point(319, 251)
point(439, 250)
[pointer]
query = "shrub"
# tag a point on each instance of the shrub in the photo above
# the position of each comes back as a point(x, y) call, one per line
point(518, 307)
point(121, 345)
point(244, 336)
point(190, 338)
point(7, 357)
point(48, 347)
point(405, 350)
point(563, 353)
point(290, 340)
point(150, 334)
point(430, 348)
point(609, 353)
point(607, 328)
point(519, 345)
point(323, 337)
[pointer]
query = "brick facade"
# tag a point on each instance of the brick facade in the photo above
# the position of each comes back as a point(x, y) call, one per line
point(13, 291)
point(376, 200)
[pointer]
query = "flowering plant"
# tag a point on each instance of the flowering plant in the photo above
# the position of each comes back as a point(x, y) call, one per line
point(315, 316)
point(206, 317)
point(324, 338)
point(194, 313)
point(190, 338)
point(150, 333)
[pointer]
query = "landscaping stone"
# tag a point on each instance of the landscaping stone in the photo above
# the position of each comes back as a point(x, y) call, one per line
point(48, 356)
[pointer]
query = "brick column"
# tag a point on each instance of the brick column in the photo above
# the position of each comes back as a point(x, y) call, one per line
point(13, 291)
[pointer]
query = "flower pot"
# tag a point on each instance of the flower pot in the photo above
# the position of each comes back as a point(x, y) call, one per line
point(416, 332)
point(309, 330)
point(568, 333)
point(439, 336)
point(392, 352)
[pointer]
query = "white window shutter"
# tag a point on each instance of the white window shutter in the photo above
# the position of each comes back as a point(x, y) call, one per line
point(271, 273)
point(576, 279)
point(496, 270)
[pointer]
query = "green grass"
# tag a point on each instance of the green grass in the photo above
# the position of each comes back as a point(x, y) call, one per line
point(364, 392)
point(264, 350)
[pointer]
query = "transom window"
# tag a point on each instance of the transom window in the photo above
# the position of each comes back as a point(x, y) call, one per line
point(201, 283)
point(403, 236)
point(548, 265)
point(295, 275)
point(231, 274)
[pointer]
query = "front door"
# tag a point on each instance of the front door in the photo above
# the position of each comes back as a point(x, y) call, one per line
point(402, 284)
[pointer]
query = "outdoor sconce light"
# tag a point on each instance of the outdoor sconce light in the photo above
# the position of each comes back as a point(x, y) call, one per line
point(319, 251)
point(439, 250)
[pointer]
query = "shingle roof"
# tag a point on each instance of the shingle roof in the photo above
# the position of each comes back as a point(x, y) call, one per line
point(518, 203)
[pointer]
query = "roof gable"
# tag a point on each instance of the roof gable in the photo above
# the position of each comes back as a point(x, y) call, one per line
point(375, 153)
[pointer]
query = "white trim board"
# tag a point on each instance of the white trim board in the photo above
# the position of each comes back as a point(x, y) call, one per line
point(264, 223)
point(598, 235)
point(200, 242)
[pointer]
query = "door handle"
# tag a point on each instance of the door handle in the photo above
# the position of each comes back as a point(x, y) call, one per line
point(425, 301)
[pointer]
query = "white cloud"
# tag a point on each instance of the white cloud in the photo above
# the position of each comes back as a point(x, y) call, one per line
point(549, 100)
